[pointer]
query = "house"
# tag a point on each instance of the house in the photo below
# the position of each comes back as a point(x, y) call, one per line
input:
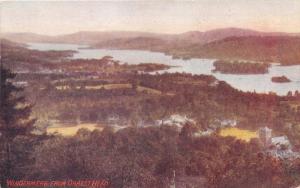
point(283, 153)
point(176, 120)
point(265, 135)
point(117, 127)
point(113, 119)
point(203, 133)
point(280, 142)
point(222, 123)
point(228, 123)
point(21, 84)
point(279, 147)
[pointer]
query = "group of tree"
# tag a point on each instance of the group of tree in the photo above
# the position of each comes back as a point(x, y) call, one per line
point(142, 157)
point(15, 129)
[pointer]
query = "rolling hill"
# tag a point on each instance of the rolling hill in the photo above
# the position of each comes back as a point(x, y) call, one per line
point(226, 43)
point(94, 37)
point(283, 49)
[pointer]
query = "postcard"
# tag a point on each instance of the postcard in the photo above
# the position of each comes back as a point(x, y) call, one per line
point(150, 94)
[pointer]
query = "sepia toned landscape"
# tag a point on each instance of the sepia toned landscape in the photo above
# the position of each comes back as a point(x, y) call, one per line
point(146, 94)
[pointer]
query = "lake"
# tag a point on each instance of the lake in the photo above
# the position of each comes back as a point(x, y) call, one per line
point(261, 83)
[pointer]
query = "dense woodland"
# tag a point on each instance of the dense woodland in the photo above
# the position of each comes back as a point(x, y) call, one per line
point(139, 155)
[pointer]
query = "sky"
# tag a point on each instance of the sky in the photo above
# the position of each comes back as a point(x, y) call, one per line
point(160, 16)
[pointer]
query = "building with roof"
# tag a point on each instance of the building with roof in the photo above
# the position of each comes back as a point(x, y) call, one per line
point(265, 135)
point(281, 142)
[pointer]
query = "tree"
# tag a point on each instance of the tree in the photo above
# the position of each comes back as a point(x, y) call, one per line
point(134, 84)
point(14, 120)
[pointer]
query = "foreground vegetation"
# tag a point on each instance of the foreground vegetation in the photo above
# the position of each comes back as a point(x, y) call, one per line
point(148, 157)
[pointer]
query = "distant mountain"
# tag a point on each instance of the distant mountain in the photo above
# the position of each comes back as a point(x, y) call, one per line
point(227, 43)
point(218, 34)
point(283, 49)
point(95, 37)
point(26, 37)
point(9, 44)
point(183, 40)
point(83, 37)
point(145, 43)
point(88, 37)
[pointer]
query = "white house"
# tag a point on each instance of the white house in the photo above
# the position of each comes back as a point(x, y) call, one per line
point(176, 120)
point(203, 133)
point(265, 135)
point(281, 141)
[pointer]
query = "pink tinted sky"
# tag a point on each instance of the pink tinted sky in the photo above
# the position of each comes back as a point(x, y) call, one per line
point(165, 16)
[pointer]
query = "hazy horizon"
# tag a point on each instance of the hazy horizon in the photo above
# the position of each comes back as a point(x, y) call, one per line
point(170, 17)
point(59, 34)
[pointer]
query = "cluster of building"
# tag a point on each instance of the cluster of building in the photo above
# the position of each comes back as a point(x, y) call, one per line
point(279, 146)
point(176, 120)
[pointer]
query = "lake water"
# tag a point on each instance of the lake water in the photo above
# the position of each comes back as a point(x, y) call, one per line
point(261, 83)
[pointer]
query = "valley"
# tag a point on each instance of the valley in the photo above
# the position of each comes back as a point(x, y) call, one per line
point(126, 99)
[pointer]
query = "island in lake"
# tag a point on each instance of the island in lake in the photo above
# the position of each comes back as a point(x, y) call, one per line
point(280, 79)
point(240, 67)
